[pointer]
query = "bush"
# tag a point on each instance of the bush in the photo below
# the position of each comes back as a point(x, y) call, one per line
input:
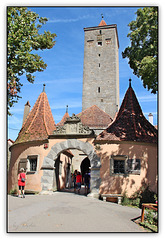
point(143, 195)
point(125, 200)
point(13, 191)
point(151, 217)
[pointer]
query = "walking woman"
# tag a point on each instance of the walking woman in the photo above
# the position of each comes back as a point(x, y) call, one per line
point(21, 183)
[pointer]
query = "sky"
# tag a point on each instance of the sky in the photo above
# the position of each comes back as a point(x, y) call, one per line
point(64, 74)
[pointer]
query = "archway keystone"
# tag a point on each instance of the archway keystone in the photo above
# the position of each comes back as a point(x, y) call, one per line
point(49, 162)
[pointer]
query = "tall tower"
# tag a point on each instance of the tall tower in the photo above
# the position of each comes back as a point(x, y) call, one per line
point(101, 68)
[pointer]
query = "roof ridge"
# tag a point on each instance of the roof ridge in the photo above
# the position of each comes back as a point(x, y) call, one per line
point(44, 114)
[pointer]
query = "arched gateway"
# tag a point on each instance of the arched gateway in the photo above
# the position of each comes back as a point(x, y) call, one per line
point(48, 181)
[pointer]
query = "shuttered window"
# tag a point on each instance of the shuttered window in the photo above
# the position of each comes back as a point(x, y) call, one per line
point(121, 164)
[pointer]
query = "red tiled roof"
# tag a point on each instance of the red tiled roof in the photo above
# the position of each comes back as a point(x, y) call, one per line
point(130, 123)
point(102, 23)
point(94, 117)
point(39, 122)
point(63, 120)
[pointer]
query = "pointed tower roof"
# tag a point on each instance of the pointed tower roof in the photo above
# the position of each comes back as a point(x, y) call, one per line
point(39, 122)
point(94, 117)
point(130, 123)
point(102, 23)
point(63, 120)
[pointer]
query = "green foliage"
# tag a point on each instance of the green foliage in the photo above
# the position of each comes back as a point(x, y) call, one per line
point(130, 201)
point(151, 217)
point(143, 52)
point(23, 38)
point(13, 191)
point(150, 220)
point(143, 195)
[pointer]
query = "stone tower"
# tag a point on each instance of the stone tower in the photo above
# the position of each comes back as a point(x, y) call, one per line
point(101, 68)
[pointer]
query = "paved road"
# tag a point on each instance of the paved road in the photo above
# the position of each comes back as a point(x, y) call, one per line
point(69, 212)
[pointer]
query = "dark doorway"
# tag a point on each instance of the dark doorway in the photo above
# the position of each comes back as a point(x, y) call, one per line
point(85, 166)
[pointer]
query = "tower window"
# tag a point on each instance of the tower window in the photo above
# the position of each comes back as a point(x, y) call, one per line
point(99, 64)
point(99, 43)
point(100, 31)
point(98, 89)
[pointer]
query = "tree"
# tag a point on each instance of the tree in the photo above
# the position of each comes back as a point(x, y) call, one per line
point(23, 38)
point(143, 52)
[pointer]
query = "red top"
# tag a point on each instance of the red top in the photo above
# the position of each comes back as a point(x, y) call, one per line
point(78, 179)
point(21, 175)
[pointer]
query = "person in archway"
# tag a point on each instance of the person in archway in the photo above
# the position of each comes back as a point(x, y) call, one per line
point(74, 179)
point(87, 182)
point(78, 181)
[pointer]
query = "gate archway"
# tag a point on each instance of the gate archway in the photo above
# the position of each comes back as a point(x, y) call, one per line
point(48, 177)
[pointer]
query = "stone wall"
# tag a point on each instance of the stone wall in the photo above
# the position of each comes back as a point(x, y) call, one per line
point(101, 69)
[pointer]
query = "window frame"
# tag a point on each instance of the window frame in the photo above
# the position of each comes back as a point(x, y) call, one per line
point(129, 168)
point(132, 170)
point(29, 157)
point(120, 158)
point(100, 43)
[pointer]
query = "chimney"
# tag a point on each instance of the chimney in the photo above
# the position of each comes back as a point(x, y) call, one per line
point(150, 117)
point(26, 111)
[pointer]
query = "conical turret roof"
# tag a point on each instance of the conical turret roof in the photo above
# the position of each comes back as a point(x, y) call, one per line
point(130, 123)
point(39, 122)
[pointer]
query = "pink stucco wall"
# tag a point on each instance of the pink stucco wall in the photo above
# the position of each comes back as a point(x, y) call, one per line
point(19, 152)
point(109, 184)
point(128, 183)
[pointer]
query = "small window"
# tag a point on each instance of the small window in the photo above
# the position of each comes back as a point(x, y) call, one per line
point(99, 64)
point(100, 32)
point(98, 89)
point(32, 164)
point(99, 43)
point(102, 100)
point(118, 164)
point(99, 54)
point(134, 166)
